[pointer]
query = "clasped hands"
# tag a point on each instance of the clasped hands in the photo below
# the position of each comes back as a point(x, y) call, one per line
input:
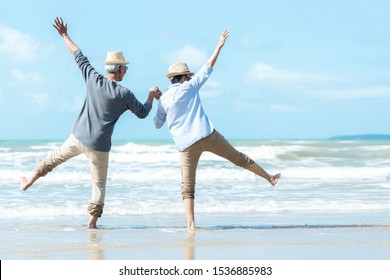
point(155, 92)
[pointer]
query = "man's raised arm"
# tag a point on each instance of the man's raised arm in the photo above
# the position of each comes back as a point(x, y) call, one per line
point(63, 31)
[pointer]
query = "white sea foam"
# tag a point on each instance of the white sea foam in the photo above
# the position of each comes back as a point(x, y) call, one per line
point(338, 173)
point(223, 172)
point(175, 207)
point(145, 179)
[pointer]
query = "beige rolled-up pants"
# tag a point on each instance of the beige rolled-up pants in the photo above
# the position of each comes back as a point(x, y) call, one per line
point(98, 162)
point(214, 143)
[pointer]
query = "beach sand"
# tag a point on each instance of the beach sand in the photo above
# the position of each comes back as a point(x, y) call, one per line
point(304, 249)
point(218, 237)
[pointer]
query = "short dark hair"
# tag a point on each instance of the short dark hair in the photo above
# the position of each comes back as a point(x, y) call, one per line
point(176, 79)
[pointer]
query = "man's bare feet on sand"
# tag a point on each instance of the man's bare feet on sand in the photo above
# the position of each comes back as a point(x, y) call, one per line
point(92, 222)
point(274, 179)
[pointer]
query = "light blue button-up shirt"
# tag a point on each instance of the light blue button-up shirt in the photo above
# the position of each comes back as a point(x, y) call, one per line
point(180, 106)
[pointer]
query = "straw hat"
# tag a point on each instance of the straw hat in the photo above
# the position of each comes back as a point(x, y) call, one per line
point(115, 58)
point(178, 69)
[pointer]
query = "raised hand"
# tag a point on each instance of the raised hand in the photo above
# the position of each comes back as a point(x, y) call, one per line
point(223, 37)
point(60, 26)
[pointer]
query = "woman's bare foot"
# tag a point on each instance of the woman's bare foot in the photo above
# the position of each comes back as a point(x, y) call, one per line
point(274, 179)
point(190, 226)
point(24, 183)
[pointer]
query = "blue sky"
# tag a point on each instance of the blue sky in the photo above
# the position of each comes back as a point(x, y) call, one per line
point(290, 69)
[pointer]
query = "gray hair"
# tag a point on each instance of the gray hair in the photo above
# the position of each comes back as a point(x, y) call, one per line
point(112, 68)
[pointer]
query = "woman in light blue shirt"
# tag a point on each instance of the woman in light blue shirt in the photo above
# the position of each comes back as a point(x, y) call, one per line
point(193, 133)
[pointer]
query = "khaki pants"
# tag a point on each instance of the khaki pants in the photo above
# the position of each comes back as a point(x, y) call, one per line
point(214, 143)
point(98, 162)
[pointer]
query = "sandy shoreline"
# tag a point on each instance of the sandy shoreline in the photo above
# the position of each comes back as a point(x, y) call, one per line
point(343, 248)
point(54, 240)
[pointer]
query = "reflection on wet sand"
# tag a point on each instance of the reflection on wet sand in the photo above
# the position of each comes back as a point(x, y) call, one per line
point(96, 240)
point(190, 246)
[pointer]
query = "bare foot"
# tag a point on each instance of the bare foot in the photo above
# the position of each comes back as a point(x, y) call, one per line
point(92, 222)
point(24, 183)
point(274, 179)
point(190, 226)
point(190, 229)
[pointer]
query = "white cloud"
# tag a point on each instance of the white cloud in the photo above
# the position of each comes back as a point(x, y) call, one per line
point(211, 89)
point(212, 84)
point(74, 105)
point(41, 100)
point(210, 93)
point(260, 72)
point(20, 77)
point(245, 105)
point(191, 55)
point(379, 91)
point(38, 100)
point(285, 108)
point(19, 46)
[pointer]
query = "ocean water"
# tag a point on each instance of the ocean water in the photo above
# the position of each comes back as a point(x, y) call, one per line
point(332, 202)
point(323, 183)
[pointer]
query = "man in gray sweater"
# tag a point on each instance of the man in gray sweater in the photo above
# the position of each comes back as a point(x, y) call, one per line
point(105, 102)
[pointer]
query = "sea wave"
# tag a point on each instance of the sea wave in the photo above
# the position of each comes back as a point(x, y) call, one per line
point(145, 179)
point(212, 172)
point(131, 208)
